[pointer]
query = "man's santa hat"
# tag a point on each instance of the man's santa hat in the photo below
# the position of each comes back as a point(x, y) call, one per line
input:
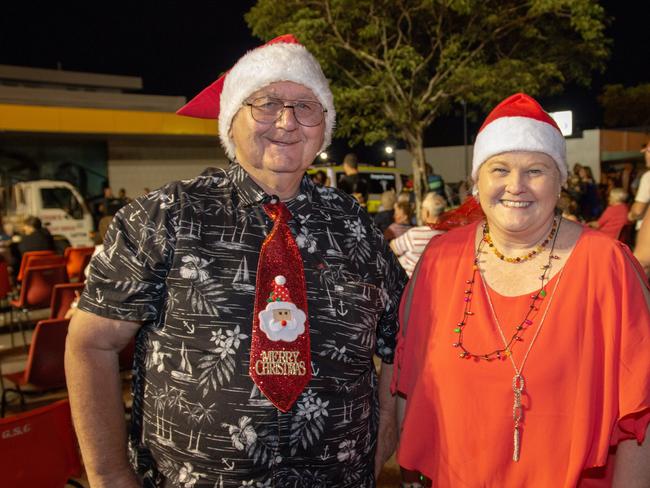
point(519, 123)
point(279, 298)
point(281, 59)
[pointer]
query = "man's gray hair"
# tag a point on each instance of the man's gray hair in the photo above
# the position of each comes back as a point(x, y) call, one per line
point(434, 204)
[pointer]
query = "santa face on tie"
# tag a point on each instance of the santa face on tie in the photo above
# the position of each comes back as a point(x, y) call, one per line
point(281, 320)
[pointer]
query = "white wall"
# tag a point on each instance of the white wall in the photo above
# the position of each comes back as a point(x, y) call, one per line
point(136, 164)
point(449, 161)
point(586, 151)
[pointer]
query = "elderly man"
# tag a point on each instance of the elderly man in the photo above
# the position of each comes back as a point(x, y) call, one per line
point(207, 272)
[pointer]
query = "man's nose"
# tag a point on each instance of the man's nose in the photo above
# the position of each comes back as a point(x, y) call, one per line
point(287, 119)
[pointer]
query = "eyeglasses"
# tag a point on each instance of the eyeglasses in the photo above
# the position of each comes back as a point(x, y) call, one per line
point(267, 110)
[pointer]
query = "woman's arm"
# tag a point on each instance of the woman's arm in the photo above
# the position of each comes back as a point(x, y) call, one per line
point(632, 466)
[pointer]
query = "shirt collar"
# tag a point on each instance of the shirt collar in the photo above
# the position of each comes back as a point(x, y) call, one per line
point(250, 193)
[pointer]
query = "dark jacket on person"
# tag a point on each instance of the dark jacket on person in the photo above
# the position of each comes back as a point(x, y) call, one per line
point(384, 218)
point(39, 240)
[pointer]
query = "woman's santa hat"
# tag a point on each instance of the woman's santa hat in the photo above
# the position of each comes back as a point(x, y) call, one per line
point(281, 59)
point(519, 123)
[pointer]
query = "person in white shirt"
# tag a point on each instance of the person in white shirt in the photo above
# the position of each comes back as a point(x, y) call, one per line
point(409, 246)
point(642, 197)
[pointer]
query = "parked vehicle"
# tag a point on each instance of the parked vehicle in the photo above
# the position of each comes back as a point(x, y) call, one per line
point(379, 179)
point(58, 204)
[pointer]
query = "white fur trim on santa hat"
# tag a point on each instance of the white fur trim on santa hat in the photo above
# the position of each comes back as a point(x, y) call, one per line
point(265, 65)
point(507, 134)
point(281, 306)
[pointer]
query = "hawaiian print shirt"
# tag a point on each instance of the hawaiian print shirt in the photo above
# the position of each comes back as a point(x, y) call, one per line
point(183, 260)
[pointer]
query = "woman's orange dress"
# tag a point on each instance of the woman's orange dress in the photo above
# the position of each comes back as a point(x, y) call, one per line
point(587, 377)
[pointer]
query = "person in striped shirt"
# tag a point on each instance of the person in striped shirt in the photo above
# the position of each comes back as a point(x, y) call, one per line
point(409, 246)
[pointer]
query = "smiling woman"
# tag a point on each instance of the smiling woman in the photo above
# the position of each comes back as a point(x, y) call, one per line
point(518, 192)
point(521, 325)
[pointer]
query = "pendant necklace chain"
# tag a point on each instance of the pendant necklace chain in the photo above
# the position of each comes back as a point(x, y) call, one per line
point(518, 384)
point(518, 378)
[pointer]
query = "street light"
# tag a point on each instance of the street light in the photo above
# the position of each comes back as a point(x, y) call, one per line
point(389, 149)
point(323, 156)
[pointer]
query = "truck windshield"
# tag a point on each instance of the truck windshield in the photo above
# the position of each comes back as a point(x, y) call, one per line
point(63, 199)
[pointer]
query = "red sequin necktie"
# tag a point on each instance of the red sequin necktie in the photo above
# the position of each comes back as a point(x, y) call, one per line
point(280, 359)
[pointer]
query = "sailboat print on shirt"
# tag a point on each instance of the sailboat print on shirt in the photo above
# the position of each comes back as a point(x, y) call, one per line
point(242, 279)
point(257, 399)
point(333, 249)
point(184, 371)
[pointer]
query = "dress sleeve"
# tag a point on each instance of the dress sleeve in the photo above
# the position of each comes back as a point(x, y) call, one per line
point(634, 372)
point(413, 313)
point(607, 215)
point(393, 282)
point(127, 278)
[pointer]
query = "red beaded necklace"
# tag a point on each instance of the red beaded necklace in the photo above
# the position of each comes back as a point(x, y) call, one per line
point(504, 352)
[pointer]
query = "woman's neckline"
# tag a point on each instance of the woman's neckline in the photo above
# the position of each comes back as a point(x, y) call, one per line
point(550, 282)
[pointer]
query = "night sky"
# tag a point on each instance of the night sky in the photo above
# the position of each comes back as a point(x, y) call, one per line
point(180, 47)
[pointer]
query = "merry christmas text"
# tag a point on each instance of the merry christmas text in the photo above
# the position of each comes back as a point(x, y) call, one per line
point(283, 363)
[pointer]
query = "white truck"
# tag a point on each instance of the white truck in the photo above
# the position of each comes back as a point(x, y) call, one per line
point(58, 204)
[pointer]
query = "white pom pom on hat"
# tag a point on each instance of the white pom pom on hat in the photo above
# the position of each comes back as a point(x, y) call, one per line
point(281, 59)
point(519, 123)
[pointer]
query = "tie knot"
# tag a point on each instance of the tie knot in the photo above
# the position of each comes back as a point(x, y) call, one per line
point(277, 210)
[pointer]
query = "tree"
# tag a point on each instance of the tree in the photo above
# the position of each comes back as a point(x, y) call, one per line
point(397, 65)
point(626, 107)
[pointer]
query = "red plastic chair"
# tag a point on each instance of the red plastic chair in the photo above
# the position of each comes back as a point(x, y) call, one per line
point(5, 283)
point(36, 291)
point(76, 260)
point(25, 259)
point(62, 297)
point(44, 371)
point(39, 448)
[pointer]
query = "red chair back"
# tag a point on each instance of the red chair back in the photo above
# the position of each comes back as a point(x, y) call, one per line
point(38, 283)
point(76, 260)
point(26, 257)
point(63, 295)
point(39, 448)
point(45, 366)
point(5, 283)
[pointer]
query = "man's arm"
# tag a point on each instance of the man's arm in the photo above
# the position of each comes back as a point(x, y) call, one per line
point(632, 467)
point(637, 211)
point(387, 436)
point(95, 391)
point(642, 246)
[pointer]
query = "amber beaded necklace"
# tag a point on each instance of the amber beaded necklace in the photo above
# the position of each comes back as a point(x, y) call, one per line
point(519, 259)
